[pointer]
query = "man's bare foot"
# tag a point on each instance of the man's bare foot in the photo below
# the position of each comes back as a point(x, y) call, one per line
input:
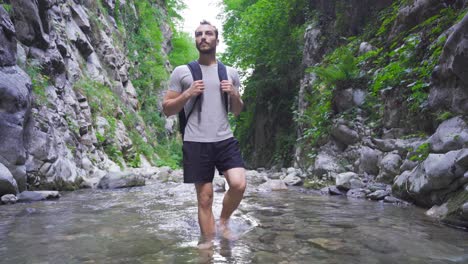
point(205, 244)
point(226, 233)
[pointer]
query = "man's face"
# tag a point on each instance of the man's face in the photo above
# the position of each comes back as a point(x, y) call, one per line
point(205, 39)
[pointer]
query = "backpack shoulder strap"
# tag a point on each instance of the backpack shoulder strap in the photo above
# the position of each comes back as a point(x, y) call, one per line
point(222, 74)
point(195, 69)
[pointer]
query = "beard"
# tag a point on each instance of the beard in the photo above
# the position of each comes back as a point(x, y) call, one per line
point(209, 50)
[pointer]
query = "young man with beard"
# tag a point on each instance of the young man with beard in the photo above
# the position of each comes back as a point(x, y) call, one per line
point(208, 141)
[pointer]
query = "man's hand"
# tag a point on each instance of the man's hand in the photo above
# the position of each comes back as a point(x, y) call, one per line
point(228, 87)
point(195, 89)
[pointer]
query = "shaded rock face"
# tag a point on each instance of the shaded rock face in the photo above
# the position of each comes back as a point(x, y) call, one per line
point(450, 78)
point(7, 40)
point(15, 103)
point(31, 28)
point(51, 143)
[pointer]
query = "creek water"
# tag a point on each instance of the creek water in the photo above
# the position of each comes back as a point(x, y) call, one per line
point(157, 223)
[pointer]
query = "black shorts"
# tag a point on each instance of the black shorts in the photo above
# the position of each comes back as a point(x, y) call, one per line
point(200, 159)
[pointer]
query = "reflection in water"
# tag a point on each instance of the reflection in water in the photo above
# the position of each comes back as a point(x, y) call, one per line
point(157, 224)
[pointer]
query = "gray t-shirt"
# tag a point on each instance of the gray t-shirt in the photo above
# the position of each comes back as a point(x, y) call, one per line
point(211, 124)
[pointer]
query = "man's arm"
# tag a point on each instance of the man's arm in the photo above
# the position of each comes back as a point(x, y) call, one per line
point(175, 101)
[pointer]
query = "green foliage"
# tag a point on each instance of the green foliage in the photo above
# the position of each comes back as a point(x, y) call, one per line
point(265, 37)
point(343, 67)
point(184, 49)
point(421, 152)
point(388, 16)
point(7, 8)
point(39, 82)
point(445, 115)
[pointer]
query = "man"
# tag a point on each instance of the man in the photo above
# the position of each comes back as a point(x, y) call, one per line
point(208, 139)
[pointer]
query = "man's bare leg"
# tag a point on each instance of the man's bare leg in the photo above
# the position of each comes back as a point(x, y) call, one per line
point(237, 183)
point(205, 213)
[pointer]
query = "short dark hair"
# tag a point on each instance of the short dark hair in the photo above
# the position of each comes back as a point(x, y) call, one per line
point(205, 22)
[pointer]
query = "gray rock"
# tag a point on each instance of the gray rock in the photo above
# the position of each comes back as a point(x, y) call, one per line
point(365, 47)
point(325, 163)
point(7, 182)
point(378, 195)
point(292, 180)
point(9, 199)
point(219, 184)
point(116, 179)
point(464, 209)
point(448, 89)
point(389, 168)
point(368, 160)
point(273, 185)
point(437, 211)
point(15, 121)
point(356, 193)
point(408, 165)
point(32, 196)
point(394, 200)
point(333, 190)
point(344, 134)
point(452, 134)
point(425, 183)
point(7, 40)
point(28, 24)
point(343, 180)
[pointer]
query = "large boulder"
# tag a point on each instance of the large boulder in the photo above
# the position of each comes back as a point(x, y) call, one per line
point(7, 182)
point(452, 134)
point(7, 40)
point(430, 182)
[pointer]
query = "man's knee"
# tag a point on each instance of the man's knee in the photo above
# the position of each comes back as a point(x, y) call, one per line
point(205, 200)
point(236, 180)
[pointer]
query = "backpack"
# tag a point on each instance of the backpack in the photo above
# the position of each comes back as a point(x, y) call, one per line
point(195, 69)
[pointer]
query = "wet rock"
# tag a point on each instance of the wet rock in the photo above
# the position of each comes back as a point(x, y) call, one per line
point(452, 134)
point(437, 211)
point(327, 244)
point(9, 199)
point(356, 193)
point(394, 200)
point(273, 185)
point(32, 196)
point(408, 165)
point(7, 182)
point(333, 190)
point(116, 179)
point(378, 195)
